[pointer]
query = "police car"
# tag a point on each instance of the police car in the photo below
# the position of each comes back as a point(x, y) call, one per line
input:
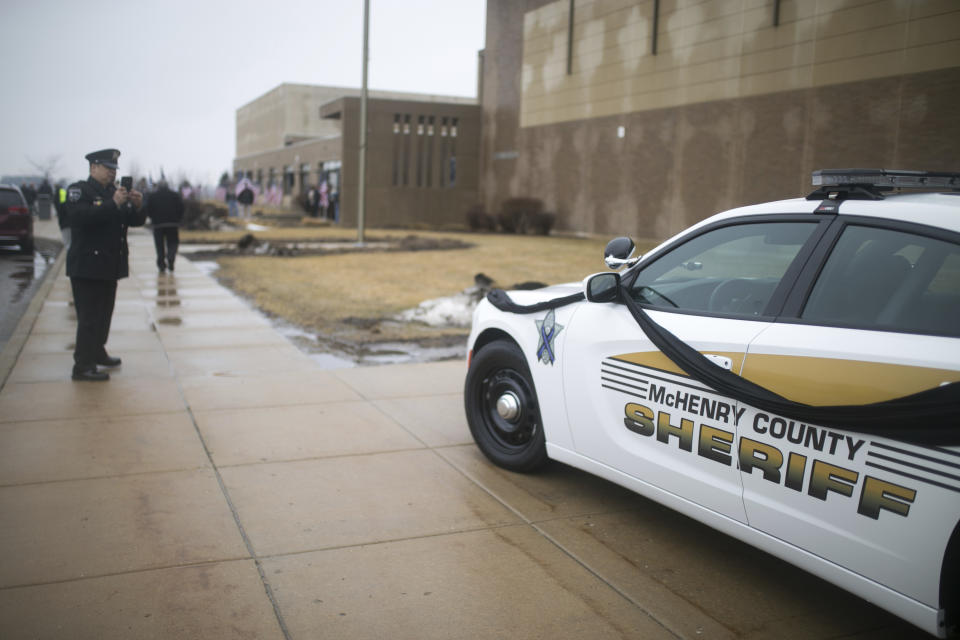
point(787, 373)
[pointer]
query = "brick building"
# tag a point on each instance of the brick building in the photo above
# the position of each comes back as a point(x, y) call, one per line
point(422, 151)
point(641, 117)
point(635, 117)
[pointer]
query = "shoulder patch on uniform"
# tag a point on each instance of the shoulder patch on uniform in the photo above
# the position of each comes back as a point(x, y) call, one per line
point(73, 194)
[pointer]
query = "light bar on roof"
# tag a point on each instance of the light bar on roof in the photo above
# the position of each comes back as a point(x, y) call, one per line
point(887, 178)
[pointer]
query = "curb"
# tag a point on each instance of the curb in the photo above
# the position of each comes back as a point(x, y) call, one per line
point(11, 351)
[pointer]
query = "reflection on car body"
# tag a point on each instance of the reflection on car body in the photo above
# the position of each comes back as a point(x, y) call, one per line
point(840, 305)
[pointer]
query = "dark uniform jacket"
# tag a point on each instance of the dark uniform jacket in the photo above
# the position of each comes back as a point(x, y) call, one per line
point(165, 208)
point(98, 247)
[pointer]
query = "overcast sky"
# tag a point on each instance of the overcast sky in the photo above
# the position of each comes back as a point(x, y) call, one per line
point(162, 80)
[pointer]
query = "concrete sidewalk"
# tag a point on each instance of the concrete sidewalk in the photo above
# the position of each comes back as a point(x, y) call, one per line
point(221, 485)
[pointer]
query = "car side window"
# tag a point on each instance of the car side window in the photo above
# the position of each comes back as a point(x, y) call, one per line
point(889, 280)
point(731, 270)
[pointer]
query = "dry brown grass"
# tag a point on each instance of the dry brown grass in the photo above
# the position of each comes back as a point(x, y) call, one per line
point(328, 293)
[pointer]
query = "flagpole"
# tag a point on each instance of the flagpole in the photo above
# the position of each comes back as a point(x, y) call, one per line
point(362, 172)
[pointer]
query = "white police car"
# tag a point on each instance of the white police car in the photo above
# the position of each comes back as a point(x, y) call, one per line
point(788, 373)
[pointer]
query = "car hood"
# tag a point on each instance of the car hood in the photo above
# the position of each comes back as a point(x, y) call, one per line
point(534, 296)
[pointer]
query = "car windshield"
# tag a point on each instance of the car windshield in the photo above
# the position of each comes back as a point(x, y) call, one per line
point(730, 270)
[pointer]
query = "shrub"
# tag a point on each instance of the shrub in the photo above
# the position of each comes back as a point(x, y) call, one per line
point(479, 220)
point(516, 213)
point(541, 223)
point(202, 214)
point(301, 201)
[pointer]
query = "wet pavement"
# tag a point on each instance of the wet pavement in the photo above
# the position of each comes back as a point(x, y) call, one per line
point(20, 278)
point(223, 485)
point(331, 353)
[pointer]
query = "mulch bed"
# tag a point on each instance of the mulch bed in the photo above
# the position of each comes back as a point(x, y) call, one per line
point(250, 245)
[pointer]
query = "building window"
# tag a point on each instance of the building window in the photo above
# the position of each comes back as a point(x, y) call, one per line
point(332, 176)
point(405, 155)
point(397, 146)
point(452, 160)
point(429, 172)
point(420, 130)
point(444, 144)
point(304, 177)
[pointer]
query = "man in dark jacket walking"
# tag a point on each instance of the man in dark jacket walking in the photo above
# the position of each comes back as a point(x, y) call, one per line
point(165, 208)
point(245, 198)
point(99, 214)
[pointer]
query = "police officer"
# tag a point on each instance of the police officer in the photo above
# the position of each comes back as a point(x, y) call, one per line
point(99, 214)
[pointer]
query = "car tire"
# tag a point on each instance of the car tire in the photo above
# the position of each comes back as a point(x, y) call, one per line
point(502, 408)
point(26, 246)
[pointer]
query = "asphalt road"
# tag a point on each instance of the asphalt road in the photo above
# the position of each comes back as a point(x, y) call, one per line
point(20, 278)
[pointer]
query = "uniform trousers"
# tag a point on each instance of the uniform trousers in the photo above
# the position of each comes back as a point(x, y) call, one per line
point(93, 300)
point(166, 240)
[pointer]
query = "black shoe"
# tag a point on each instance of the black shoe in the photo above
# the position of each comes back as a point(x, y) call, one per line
point(90, 375)
point(170, 267)
point(108, 361)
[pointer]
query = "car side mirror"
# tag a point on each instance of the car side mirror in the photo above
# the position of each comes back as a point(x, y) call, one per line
point(602, 287)
point(618, 251)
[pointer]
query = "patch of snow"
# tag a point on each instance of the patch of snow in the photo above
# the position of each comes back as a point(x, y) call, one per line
point(207, 267)
point(449, 311)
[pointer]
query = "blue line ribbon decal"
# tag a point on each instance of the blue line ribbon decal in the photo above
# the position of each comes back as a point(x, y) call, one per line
point(545, 339)
point(548, 328)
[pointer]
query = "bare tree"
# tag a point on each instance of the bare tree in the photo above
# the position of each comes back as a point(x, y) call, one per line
point(133, 169)
point(47, 168)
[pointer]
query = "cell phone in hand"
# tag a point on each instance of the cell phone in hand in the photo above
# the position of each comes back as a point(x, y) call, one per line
point(126, 182)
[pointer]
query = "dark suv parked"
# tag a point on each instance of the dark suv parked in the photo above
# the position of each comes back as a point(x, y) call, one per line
point(16, 223)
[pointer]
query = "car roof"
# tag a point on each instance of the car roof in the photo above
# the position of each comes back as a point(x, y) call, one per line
point(940, 210)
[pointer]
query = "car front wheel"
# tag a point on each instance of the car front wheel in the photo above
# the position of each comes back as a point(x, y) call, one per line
point(502, 410)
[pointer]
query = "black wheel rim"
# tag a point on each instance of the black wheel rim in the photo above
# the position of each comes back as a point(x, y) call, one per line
point(509, 409)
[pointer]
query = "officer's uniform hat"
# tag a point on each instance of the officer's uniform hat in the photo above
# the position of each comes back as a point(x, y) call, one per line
point(106, 157)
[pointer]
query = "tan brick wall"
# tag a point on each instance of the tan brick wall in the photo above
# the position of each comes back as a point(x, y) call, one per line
point(721, 49)
point(437, 204)
point(290, 112)
point(726, 143)
point(285, 112)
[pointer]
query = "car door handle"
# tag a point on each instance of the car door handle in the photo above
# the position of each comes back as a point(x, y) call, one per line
point(720, 361)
